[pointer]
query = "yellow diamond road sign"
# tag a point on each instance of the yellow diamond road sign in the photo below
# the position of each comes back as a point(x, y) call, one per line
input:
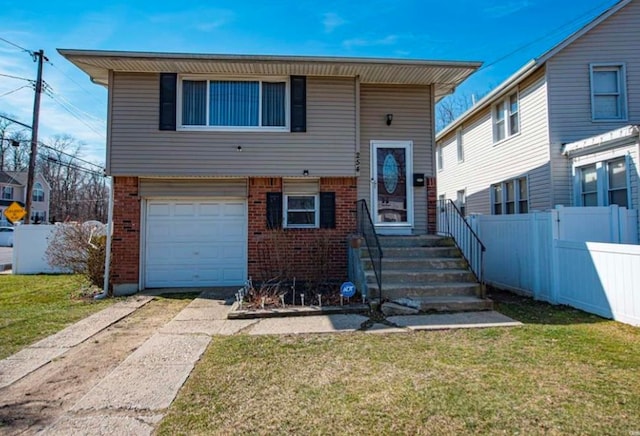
point(15, 212)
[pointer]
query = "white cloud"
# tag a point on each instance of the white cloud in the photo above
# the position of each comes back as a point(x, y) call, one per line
point(364, 42)
point(331, 21)
point(507, 8)
point(203, 20)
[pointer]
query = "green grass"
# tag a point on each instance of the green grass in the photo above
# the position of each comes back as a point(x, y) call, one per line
point(564, 372)
point(33, 307)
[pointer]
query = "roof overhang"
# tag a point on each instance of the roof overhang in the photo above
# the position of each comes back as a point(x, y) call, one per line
point(606, 141)
point(445, 75)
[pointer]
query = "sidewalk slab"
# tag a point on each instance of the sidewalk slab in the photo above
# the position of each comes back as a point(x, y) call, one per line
point(101, 425)
point(308, 324)
point(460, 320)
point(82, 330)
point(149, 379)
point(29, 359)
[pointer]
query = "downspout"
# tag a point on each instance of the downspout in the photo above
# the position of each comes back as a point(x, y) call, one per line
point(107, 256)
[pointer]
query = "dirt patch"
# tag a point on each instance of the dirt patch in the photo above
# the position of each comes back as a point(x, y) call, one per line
point(37, 400)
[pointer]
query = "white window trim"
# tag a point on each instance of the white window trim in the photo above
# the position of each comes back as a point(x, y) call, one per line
point(460, 145)
point(516, 196)
point(287, 98)
point(602, 178)
point(623, 91)
point(507, 119)
point(285, 210)
point(440, 157)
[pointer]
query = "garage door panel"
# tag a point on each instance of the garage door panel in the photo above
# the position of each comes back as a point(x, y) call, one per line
point(195, 243)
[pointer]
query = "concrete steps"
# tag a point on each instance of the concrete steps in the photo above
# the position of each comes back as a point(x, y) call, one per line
point(427, 273)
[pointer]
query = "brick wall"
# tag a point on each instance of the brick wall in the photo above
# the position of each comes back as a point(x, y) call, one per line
point(304, 254)
point(432, 200)
point(125, 244)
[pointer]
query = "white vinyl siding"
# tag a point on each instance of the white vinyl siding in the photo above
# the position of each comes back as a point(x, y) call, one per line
point(570, 109)
point(608, 93)
point(440, 158)
point(138, 147)
point(524, 154)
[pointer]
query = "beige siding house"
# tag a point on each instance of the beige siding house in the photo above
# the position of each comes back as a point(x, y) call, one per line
point(560, 131)
point(213, 156)
point(13, 187)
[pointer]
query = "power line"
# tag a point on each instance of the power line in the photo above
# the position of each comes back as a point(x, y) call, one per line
point(15, 121)
point(71, 166)
point(15, 90)
point(73, 114)
point(71, 156)
point(546, 36)
point(76, 83)
point(15, 45)
point(71, 105)
point(17, 77)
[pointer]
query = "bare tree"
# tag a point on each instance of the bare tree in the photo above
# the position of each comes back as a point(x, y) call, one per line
point(454, 105)
point(12, 157)
point(78, 191)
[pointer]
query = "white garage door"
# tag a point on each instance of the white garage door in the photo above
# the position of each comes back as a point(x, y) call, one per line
point(195, 243)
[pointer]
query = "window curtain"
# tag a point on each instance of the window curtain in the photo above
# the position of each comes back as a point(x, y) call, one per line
point(273, 95)
point(194, 102)
point(234, 103)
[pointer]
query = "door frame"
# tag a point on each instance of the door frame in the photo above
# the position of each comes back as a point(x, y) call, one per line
point(391, 228)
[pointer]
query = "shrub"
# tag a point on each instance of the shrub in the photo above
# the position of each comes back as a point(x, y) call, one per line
point(79, 249)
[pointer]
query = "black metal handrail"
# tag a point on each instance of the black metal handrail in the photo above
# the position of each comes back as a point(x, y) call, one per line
point(368, 232)
point(451, 222)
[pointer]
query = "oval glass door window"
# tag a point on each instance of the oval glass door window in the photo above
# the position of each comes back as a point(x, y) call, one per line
point(390, 173)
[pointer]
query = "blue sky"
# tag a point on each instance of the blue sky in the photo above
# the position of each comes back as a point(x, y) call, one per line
point(477, 30)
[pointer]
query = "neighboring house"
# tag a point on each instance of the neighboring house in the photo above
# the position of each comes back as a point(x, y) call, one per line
point(13, 187)
point(210, 153)
point(558, 132)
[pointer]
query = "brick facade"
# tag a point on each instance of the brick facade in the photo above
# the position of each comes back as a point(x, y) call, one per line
point(306, 254)
point(432, 205)
point(125, 244)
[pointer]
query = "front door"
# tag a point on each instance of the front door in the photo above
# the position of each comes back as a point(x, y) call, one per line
point(391, 193)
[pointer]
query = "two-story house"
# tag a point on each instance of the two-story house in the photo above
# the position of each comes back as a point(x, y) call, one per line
point(13, 187)
point(211, 154)
point(560, 131)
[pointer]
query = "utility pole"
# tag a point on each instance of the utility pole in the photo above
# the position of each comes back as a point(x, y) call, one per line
point(39, 57)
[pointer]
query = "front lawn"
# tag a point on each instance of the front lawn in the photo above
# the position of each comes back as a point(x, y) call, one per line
point(563, 372)
point(33, 307)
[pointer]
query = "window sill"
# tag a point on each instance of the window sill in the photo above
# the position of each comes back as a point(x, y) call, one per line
point(300, 227)
point(232, 129)
point(502, 141)
point(610, 120)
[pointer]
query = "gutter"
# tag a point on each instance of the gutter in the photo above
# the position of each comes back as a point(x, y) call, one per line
point(107, 258)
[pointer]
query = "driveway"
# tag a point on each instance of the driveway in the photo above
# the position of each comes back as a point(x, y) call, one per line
point(6, 255)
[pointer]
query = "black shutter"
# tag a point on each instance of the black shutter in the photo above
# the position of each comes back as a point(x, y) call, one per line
point(298, 104)
point(168, 85)
point(327, 210)
point(274, 210)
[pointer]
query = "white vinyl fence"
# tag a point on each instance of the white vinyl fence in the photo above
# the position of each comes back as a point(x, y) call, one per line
point(30, 242)
point(552, 256)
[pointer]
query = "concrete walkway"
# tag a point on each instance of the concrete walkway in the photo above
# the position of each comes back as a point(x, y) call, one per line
point(134, 397)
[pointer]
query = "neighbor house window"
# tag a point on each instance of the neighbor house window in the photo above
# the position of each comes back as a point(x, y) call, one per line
point(461, 201)
point(510, 196)
point(459, 145)
point(506, 117)
point(7, 192)
point(603, 183)
point(608, 94)
point(231, 104)
point(39, 216)
point(38, 192)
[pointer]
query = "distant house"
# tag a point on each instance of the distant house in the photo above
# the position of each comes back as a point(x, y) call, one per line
point(13, 187)
point(210, 154)
point(561, 131)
